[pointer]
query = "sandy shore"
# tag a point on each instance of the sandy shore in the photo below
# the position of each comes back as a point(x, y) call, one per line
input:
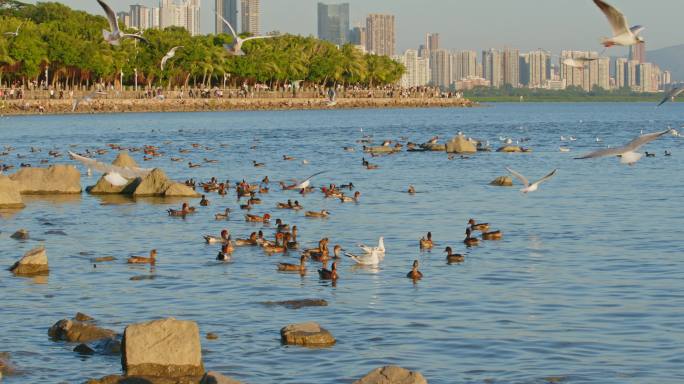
point(31, 107)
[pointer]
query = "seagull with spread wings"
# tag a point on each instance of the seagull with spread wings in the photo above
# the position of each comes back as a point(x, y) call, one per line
point(670, 96)
point(85, 99)
point(526, 183)
point(622, 34)
point(114, 36)
point(236, 47)
point(171, 53)
point(627, 152)
point(13, 34)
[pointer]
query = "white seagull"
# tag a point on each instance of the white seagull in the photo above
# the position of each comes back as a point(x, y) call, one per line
point(627, 153)
point(15, 34)
point(120, 172)
point(85, 99)
point(171, 53)
point(578, 62)
point(372, 258)
point(307, 182)
point(380, 249)
point(114, 36)
point(622, 34)
point(530, 187)
point(236, 47)
point(670, 96)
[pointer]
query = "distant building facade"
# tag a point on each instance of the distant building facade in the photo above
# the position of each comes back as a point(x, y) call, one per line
point(333, 23)
point(228, 9)
point(251, 17)
point(380, 34)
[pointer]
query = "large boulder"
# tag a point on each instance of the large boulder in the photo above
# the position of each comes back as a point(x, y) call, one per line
point(460, 144)
point(309, 334)
point(502, 181)
point(34, 262)
point(392, 374)
point(212, 377)
point(6, 366)
point(10, 195)
point(180, 190)
point(78, 332)
point(119, 379)
point(55, 179)
point(513, 149)
point(166, 348)
point(104, 187)
point(154, 183)
point(123, 159)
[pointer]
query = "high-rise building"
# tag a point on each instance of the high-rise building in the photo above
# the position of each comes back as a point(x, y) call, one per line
point(251, 22)
point(637, 52)
point(184, 15)
point(380, 37)
point(440, 68)
point(192, 16)
point(631, 76)
point(417, 69)
point(587, 76)
point(432, 41)
point(357, 35)
point(464, 65)
point(125, 18)
point(154, 17)
point(603, 80)
point(228, 9)
point(492, 64)
point(511, 67)
point(333, 23)
point(666, 78)
point(140, 17)
point(537, 70)
point(620, 72)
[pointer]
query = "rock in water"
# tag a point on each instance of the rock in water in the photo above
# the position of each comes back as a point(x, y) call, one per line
point(10, 193)
point(154, 183)
point(502, 181)
point(82, 317)
point(511, 149)
point(212, 377)
point(6, 366)
point(167, 348)
point(297, 304)
point(83, 349)
point(180, 190)
point(124, 159)
point(104, 187)
point(78, 332)
point(56, 179)
point(21, 234)
point(34, 262)
point(392, 374)
point(460, 144)
point(309, 334)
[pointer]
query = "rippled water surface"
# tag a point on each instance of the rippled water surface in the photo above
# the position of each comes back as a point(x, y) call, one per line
point(587, 284)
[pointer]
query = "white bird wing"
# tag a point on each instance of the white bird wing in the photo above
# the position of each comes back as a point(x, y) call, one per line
point(232, 31)
point(111, 16)
point(366, 248)
point(136, 36)
point(116, 179)
point(629, 147)
point(108, 168)
point(674, 92)
point(545, 178)
point(617, 20)
point(367, 259)
point(637, 29)
point(519, 176)
point(259, 37)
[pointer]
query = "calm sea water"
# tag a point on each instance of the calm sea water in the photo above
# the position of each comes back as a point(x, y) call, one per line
point(586, 286)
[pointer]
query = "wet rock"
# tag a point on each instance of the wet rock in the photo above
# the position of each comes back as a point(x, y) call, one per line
point(108, 347)
point(104, 187)
point(6, 366)
point(21, 234)
point(10, 193)
point(392, 374)
point(154, 183)
point(78, 332)
point(510, 149)
point(212, 377)
point(212, 336)
point(381, 149)
point(118, 379)
point(82, 317)
point(124, 159)
point(34, 262)
point(167, 348)
point(460, 144)
point(434, 147)
point(502, 181)
point(297, 304)
point(180, 190)
point(83, 349)
point(56, 232)
point(56, 179)
point(309, 334)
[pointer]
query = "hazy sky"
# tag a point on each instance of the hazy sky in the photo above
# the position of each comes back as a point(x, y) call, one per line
point(469, 24)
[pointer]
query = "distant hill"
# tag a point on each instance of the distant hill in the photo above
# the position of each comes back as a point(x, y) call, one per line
point(671, 59)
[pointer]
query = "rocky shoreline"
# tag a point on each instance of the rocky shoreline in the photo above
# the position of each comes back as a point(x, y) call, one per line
point(64, 106)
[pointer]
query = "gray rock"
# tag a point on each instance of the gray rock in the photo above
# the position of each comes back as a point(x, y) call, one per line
point(212, 377)
point(84, 349)
point(78, 332)
point(34, 262)
point(56, 179)
point(166, 348)
point(21, 234)
point(502, 181)
point(309, 334)
point(392, 374)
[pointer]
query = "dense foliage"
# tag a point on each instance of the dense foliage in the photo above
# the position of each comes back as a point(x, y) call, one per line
point(70, 44)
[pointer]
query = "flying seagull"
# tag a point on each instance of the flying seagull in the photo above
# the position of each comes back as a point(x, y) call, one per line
point(15, 34)
point(114, 36)
point(578, 62)
point(627, 153)
point(171, 53)
point(305, 184)
point(120, 172)
point(622, 34)
point(85, 99)
point(530, 187)
point(670, 96)
point(236, 47)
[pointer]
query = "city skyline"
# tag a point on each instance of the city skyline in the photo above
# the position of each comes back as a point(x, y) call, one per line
point(571, 24)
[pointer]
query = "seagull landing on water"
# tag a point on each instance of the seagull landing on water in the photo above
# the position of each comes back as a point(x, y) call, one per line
point(530, 187)
point(307, 182)
point(171, 53)
point(670, 96)
point(236, 47)
point(627, 153)
point(114, 36)
point(622, 34)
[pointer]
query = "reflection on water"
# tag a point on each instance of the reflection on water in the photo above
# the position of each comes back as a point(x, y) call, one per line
point(585, 286)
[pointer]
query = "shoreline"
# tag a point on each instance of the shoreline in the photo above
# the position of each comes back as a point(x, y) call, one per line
point(64, 106)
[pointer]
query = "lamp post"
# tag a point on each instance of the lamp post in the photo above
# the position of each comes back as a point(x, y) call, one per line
point(46, 75)
point(135, 70)
point(121, 77)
